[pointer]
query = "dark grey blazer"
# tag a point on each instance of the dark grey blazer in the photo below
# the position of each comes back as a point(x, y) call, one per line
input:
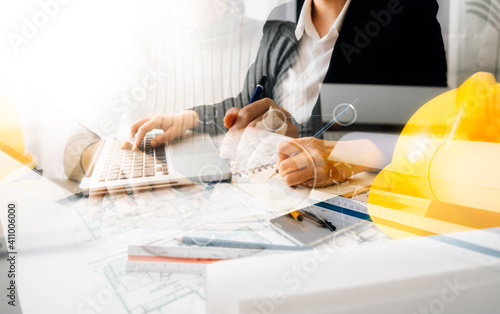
point(277, 53)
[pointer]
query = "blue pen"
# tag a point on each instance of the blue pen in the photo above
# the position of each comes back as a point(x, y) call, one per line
point(256, 94)
point(258, 89)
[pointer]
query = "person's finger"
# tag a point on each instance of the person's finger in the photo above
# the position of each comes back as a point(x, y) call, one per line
point(136, 125)
point(230, 117)
point(133, 130)
point(171, 133)
point(161, 138)
point(126, 144)
point(311, 183)
point(231, 142)
point(295, 163)
point(286, 149)
point(307, 141)
point(175, 126)
point(320, 179)
point(297, 177)
point(252, 111)
point(152, 124)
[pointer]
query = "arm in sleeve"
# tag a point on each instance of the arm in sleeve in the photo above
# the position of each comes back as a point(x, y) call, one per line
point(275, 55)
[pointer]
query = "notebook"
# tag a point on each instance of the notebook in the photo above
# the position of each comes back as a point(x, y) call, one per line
point(254, 162)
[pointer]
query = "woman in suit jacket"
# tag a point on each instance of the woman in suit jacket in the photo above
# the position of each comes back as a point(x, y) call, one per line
point(396, 42)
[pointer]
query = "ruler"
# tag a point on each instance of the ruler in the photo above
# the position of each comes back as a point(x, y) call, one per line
point(344, 212)
point(188, 260)
point(340, 211)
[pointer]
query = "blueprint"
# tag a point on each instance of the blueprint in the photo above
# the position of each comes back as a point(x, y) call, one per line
point(103, 242)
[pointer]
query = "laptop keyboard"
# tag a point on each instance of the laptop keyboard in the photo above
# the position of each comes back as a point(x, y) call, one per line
point(123, 164)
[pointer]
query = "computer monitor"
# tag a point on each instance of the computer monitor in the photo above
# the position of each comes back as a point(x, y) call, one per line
point(376, 104)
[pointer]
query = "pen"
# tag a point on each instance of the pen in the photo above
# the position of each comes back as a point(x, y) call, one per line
point(238, 244)
point(256, 94)
point(323, 222)
point(323, 129)
point(258, 89)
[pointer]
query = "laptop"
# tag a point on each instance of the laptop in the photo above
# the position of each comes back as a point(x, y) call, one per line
point(186, 160)
point(47, 130)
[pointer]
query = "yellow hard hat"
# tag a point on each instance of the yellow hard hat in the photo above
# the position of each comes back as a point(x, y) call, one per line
point(444, 175)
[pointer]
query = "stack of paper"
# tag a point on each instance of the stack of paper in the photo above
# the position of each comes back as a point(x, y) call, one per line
point(419, 275)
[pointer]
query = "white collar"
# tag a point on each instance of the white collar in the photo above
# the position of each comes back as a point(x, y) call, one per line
point(305, 21)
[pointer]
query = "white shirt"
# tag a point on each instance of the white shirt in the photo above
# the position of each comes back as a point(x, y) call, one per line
point(300, 90)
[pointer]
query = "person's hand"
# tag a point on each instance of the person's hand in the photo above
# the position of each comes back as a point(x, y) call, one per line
point(249, 115)
point(307, 162)
point(174, 125)
point(263, 114)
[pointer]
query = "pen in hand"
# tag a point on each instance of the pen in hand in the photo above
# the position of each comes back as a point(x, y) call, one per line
point(320, 132)
point(258, 89)
point(256, 94)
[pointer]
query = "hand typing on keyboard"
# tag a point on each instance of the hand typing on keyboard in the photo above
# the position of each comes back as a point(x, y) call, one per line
point(122, 165)
point(173, 126)
point(146, 161)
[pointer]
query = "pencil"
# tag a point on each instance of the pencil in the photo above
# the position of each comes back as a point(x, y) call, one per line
point(238, 244)
point(297, 215)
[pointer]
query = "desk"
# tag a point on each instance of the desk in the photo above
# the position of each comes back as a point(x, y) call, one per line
point(70, 262)
point(69, 256)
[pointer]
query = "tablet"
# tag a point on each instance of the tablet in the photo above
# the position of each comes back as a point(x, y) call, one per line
point(303, 233)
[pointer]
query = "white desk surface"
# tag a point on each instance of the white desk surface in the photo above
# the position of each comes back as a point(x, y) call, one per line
point(70, 262)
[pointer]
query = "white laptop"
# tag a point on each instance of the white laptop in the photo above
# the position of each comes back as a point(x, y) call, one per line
point(192, 158)
point(189, 159)
point(47, 130)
